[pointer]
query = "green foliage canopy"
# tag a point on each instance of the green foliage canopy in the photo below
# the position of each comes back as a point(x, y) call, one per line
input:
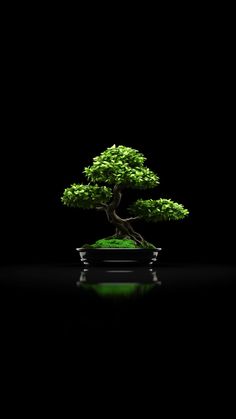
point(86, 196)
point(122, 166)
point(158, 210)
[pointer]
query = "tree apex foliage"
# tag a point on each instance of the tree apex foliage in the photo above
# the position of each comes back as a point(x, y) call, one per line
point(124, 166)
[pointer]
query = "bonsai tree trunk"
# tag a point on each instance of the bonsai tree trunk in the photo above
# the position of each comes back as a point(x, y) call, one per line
point(123, 227)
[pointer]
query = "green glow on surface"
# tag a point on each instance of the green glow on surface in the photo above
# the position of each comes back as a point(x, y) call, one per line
point(118, 289)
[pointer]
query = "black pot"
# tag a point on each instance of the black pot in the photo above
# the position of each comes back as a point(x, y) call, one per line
point(115, 256)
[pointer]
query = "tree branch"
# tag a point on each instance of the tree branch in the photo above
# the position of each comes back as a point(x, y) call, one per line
point(102, 207)
point(133, 218)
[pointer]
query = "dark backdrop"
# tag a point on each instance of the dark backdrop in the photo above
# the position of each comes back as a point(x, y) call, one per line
point(187, 149)
point(166, 94)
point(70, 88)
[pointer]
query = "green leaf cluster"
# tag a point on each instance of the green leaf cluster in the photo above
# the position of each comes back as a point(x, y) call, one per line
point(158, 210)
point(86, 196)
point(122, 166)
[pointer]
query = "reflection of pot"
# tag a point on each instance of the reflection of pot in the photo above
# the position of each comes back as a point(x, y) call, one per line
point(106, 257)
point(98, 275)
point(116, 282)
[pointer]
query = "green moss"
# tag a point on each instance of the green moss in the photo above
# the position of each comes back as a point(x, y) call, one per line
point(108, 243)
point(115, 243)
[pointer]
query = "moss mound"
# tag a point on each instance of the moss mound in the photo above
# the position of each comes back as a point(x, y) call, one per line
point(108, 243)
point(115, 243)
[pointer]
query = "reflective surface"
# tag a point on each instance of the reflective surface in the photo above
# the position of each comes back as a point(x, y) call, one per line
point(67, 303)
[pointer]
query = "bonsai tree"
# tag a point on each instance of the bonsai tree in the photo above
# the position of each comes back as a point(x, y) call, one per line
point(115, 170)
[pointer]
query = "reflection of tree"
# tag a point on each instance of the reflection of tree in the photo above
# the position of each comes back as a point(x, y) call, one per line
point(118, 289)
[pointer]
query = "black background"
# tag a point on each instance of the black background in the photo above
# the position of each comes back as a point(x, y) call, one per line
point(161, 84)
point(69, 94)
point(173, 106)
point(69, 91)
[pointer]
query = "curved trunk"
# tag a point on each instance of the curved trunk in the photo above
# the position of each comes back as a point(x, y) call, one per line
point(123, 227)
